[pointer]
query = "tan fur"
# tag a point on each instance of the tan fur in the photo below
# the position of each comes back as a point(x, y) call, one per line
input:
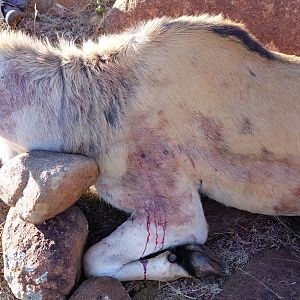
point(166, 108)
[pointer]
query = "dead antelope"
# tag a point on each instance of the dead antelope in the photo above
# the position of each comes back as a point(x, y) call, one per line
point(166, 109)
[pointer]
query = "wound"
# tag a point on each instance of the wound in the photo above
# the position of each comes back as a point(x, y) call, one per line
point(247, 126)
point(211, 128)
point(158, 217)
point(164, 227)
point(148, 232)
point(252, 73)
point(155, 222)
point(266, 153)
point(144, 264)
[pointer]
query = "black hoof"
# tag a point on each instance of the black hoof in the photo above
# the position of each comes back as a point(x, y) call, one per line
point(197, 260)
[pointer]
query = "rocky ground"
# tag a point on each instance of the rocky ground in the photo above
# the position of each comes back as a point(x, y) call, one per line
point(260, 254)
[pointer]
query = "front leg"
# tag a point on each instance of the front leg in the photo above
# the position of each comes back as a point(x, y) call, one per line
point(153, 227)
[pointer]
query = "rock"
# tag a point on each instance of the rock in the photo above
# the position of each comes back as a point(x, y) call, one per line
point(274, 23)
point(105, 288)
point(13, 180)
point(44, 261)
point(43, 184)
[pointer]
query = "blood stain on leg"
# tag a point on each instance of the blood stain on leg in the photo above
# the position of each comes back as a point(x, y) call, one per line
point(155, 222)
point(159, 220)
point(148, 231)
point(164, 227)
point(145, 263)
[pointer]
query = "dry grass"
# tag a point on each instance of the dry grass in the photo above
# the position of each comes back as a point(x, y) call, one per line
point(76, 24)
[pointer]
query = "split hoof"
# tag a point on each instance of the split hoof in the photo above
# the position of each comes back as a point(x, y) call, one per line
point(197, 260)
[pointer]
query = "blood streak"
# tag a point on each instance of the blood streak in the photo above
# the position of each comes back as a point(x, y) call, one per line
point(148, 232)
point(144, 263)
point(164, 226)
point(155, 222)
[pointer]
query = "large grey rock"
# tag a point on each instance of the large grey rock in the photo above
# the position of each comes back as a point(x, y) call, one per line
point(103, 288)
point(43, 184)
point(44, 261)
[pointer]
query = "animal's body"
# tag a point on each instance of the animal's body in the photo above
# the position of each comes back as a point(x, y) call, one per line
point(167, 109)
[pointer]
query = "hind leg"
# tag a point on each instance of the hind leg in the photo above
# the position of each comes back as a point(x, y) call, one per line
point(153, 228)
point(191, 260)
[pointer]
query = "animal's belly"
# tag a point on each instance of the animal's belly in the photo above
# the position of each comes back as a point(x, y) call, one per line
point(262, 185)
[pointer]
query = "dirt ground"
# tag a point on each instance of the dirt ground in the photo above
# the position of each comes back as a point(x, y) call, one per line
point(260, 254)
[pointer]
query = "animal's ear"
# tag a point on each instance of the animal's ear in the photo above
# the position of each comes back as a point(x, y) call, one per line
point(196, 259)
